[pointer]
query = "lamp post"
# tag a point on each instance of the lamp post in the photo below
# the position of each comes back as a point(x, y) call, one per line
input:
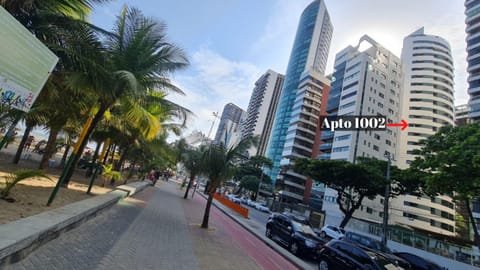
point(385, 202)
point(259, 184)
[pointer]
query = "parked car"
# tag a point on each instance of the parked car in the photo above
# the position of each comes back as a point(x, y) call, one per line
point(233, 198)
point(365, 241)
point(342, 255)
point(417, 262)
point(332, 232)
point(261, 207)
point(369, 243)
point(298, 237)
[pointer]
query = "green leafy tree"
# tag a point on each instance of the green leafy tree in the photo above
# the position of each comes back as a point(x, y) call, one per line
point(353, 182)
point(250, 173)
point(218, 163)
point(450, 161)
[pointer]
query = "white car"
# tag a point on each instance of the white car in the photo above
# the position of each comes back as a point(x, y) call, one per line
point(261, 207)
point(332, 232)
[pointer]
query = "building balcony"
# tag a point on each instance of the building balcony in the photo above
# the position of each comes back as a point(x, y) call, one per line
point(293, 184)
point(325, 146)
point(326, 135)
point(284, 193)
point(294, 174)
point(324, 156)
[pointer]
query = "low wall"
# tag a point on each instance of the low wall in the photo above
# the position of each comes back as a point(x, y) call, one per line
point(234, 206)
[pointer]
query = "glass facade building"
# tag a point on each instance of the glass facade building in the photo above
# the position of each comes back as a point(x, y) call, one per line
point(472, 12)
point(309, 52)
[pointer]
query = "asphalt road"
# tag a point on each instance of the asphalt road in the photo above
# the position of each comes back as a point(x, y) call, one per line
point(262, 218)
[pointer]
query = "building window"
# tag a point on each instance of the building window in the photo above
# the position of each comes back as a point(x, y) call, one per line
point(369, 210)
point(340, 149)
point(375, 148)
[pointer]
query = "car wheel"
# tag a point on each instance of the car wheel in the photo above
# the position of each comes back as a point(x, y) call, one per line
point(323, 235)
point(323, 265)
point(268, 233)
point(294, 248)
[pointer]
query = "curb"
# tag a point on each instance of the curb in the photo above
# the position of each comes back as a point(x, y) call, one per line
point(19, 238)
point(273, 245)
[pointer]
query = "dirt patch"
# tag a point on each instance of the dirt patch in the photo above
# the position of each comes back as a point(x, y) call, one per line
point(31, 195)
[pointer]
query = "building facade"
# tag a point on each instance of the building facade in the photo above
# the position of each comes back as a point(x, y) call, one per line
point(309, 52)
point(365, 83)
point(302, 135)
point(462, 115)
point(228, 131)
point(261, 110)
point(427, 100)
point(472, 12)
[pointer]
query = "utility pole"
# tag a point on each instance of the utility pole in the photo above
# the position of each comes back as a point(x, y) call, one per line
point(385, 203)
point(259, 184)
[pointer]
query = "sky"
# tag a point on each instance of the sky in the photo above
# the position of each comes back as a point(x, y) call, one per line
point(231, 43)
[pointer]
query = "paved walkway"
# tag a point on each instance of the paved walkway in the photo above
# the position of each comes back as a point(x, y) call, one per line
point(157, 229)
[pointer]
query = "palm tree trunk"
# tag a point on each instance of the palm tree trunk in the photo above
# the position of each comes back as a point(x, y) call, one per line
point(122, 158)
point(50, 148)
point(206, 215)
point(97, 150)
point(26, 134)
point(190, 183)
point(107, 153)
point(76, 156)
point(65, 154)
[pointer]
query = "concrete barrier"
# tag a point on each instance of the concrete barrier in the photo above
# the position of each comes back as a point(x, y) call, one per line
point(134, 187)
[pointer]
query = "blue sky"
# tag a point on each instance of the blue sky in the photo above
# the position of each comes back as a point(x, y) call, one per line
point(230, 43)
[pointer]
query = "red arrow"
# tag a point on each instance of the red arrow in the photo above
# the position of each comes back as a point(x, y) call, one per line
point(403, 124)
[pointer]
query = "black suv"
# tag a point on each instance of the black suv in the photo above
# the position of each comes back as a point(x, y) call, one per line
point(295, 233)
point(370, 244)
point(342, 255)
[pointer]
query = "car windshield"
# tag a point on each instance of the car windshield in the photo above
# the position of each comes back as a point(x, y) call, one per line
point(299, 227)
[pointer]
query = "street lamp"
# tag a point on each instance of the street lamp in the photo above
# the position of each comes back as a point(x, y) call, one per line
point(385, 202)
point(259, 184)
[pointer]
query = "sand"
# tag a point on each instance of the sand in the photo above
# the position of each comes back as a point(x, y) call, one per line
point(31, 195)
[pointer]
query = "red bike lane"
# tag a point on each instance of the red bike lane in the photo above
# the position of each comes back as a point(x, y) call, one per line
point(263, 255)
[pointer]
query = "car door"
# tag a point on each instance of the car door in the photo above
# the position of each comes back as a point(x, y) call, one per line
point(346, 257)
point(286, 230)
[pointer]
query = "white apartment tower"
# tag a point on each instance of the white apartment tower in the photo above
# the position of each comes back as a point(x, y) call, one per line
point(365, 83)
point(421, 92)
point(261, 110)
point(427, 100)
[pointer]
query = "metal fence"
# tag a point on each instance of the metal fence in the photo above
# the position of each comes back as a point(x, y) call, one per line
point(465, 254)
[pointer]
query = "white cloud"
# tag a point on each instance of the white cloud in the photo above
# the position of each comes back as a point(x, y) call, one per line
point(214, 82)
point(281, 25)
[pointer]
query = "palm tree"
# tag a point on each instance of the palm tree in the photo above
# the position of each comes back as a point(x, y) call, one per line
point(218, 164)
point(136, 59)
point(192, 161)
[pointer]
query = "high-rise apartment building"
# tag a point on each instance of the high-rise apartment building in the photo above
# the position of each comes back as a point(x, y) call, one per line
point(373, 82)
point(309, 52)
point(427, 99)
point(472, 12)
point(303, 135)
point(365, 83)
point(261, 110)
point(228, 130)
point(462, 115)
